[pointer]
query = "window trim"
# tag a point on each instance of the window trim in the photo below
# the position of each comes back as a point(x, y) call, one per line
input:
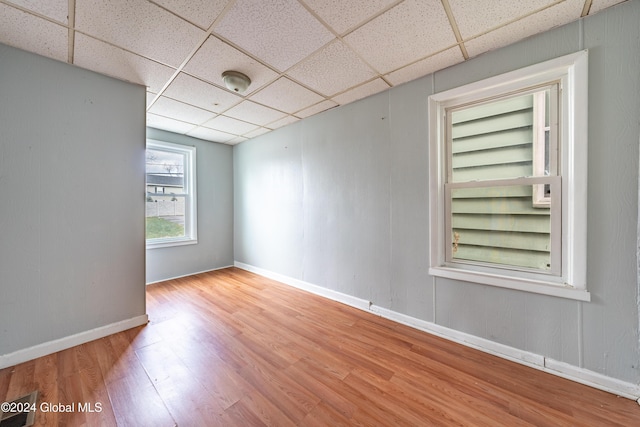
point(571, 71)
point(541, 200)
point(191, 199)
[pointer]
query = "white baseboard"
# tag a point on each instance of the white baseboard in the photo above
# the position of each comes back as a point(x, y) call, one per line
point(561, 369)
point(188, 274)
point(593, 379)
point(309, 287)
point(54, 346)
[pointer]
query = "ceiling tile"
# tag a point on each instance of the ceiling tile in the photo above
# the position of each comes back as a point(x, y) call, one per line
point(427, 66)
point(257, 132)
point(599, 5)
point(279, 32)
point(343, 15)
point(44, 38)
point(314, 109)
point(150, 97)
point(215, 57)
point(406, 33)
point(165, 123)
point(333, 69)
point(54, 9)
point(200, 12)
point(375, 86)
point(282, 122)
point(230, 125)
point(210, 134)
point(474, 17)
point(139, 26)
point(286, 95)
point(201, 94)
point(106, 59)
point(254, 113)
point(237, 140)
point(187, 113)
point(562, 13)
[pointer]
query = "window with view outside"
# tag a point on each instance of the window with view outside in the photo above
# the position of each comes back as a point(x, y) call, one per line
point(169, 194)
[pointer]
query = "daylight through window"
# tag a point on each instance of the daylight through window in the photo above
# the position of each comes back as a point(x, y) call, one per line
point(170, 194)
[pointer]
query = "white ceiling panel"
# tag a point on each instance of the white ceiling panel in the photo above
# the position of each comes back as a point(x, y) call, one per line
point(201, 94)
point(282, 122)
point(279, 32)
point(98, 56)
point(476, 17)
point(254, 113)
point(237, 140)
point(54, 9)
point(598, 5)
point(551, 17)
point(44, 38)
point(168, 107)
point(257, 132)
point(333, 69)
point(303, 56)
point(287, 96)
point(375, 86)
point(315, 109)
point(343, 15)
point(139, 26)
point(436, 62)
point(215, 57)
point(166, 123)
point(210, 134)
point(408, 32)
point(199, 12)
point(150, 97)
point(230, 125)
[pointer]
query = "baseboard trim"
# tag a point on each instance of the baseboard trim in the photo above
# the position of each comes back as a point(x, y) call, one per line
point(533, 360)
point(54, 346)
point(504, 351)
point(189, 274)
point(309, 287)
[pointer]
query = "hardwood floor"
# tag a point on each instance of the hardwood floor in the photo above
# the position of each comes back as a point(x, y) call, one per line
point(231, 348)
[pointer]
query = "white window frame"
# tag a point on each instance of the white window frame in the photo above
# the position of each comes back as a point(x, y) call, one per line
point(541, 129)
point(191, 210)
point(570, 282)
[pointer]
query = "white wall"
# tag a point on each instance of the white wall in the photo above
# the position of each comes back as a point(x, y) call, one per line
point(339, 201)
point(71, 144)
point(214, 168)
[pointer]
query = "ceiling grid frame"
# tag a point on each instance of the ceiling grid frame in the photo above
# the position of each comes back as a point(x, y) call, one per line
point(338, 47)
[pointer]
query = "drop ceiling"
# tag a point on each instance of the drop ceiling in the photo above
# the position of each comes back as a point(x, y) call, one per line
point(302, 56)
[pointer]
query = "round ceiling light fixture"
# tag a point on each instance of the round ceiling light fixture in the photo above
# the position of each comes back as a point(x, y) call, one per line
point(236, 81)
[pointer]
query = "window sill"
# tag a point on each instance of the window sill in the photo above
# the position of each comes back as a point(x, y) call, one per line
point(169, 243)
point(521, 284)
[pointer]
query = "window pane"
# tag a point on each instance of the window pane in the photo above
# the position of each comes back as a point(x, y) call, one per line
point(500, 225)
point(493, 140)
point(506, 138)
point(165, 194)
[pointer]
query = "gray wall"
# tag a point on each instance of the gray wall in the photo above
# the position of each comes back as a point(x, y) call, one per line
point(71, 143)
point(214, 168)
point(340, 200)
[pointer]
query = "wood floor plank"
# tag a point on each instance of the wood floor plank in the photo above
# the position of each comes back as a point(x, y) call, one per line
point(179, 389)
point(232, 348)
point(284, 392)
point(45, 381)
point(239, 414)
point(330, 400)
